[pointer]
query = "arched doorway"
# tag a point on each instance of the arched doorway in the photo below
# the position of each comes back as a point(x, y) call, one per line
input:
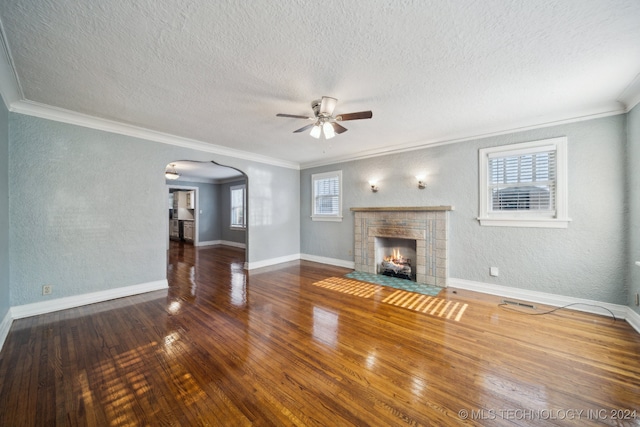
point(207, 204)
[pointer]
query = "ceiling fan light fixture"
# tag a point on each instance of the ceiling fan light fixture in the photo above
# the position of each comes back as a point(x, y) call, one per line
point(316, 131)
point(328, 130)
point(171, 173)
point(324, 119)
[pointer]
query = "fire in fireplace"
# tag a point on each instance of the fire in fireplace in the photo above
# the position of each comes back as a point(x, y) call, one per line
point(394, 257)
point(396, 265)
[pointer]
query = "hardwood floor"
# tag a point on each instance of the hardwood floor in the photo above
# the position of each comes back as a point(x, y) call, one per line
point(224, 346)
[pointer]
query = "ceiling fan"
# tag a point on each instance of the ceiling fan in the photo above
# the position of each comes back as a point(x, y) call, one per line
point(324, 120)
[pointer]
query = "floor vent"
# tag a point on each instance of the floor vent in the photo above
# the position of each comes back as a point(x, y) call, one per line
point(518, 303)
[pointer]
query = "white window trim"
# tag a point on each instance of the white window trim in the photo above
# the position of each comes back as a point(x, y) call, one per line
point(525, 219)
point(244, 207)
point(316, 176)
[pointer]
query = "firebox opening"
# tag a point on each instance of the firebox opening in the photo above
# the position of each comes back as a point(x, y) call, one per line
point(396, 257)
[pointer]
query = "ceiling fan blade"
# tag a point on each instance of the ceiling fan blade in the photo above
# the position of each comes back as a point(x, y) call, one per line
point(338, 128)
point(327, 105)
point(294, 116)
point(302, 129)
point(355, 116)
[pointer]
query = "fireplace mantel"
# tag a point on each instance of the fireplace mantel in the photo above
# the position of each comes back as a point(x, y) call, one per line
point(405, 209)
point(427, 225)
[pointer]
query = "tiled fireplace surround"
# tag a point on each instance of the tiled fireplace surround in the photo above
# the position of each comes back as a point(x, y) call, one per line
point(427, 225)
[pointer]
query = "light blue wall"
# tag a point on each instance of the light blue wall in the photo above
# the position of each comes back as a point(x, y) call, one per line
point(587, 260)
point(209, 218)
point(273, 207)
point(4, 212)
point(90, 208)
point(633, 169)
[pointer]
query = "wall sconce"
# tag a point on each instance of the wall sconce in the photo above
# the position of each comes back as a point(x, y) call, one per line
point(374, 186)
point(421, 183)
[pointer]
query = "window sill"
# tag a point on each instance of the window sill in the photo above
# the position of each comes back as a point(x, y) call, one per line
point(525, 222)
point(326, 218)
point(237, 228)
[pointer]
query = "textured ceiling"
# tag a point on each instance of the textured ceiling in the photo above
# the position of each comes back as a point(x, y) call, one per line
point(431, 71)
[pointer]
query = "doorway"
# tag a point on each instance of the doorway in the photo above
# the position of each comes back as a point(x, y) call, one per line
point(184, 214)
point(207, 204)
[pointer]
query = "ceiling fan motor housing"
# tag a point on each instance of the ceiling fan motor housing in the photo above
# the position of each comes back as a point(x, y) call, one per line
point(315, 105)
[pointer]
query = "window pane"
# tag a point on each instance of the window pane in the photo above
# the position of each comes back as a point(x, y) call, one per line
point(327, 196)
point(237, 207)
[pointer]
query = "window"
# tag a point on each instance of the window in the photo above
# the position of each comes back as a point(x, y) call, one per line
point(238, 210)
point(327, 196)
point(524, 185)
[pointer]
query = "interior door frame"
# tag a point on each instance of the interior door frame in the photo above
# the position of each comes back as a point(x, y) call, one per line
point(196, 205)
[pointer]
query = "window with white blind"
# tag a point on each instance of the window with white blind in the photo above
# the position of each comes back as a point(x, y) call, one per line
point(326, 196)
point(524, 185)
point(238, 209)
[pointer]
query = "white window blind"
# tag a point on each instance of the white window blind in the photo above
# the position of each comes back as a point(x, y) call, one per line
point(327, 198)
point(523, 182)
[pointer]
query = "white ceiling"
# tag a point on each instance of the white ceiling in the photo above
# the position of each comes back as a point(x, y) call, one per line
point(217, 72)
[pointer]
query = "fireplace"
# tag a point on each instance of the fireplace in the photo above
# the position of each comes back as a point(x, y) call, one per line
point(425, 229)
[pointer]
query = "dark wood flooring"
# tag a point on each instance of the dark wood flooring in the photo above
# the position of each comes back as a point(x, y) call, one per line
point(228, 347)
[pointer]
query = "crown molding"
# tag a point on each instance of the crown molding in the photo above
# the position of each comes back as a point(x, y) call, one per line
point(44, 111)
point(630, 96)
point(10, 88)
point(610, 110)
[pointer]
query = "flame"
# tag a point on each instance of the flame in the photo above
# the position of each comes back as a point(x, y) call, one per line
point(396, 256)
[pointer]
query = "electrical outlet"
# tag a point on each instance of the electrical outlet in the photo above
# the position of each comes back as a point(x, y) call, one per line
point(493, 271)
point(47, 289)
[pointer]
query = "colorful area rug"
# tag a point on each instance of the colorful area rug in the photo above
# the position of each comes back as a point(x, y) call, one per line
point(394, 282)
point(427, 304)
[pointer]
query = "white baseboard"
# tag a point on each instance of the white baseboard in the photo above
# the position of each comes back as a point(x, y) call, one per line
point(223, 242)
point(210, 243)
point(620, 311)
point(633, 318)
point(49, 306)
point(233, 244)
point(295, 257)
point(270, 262)
point(5, 325)
point(330, 261)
